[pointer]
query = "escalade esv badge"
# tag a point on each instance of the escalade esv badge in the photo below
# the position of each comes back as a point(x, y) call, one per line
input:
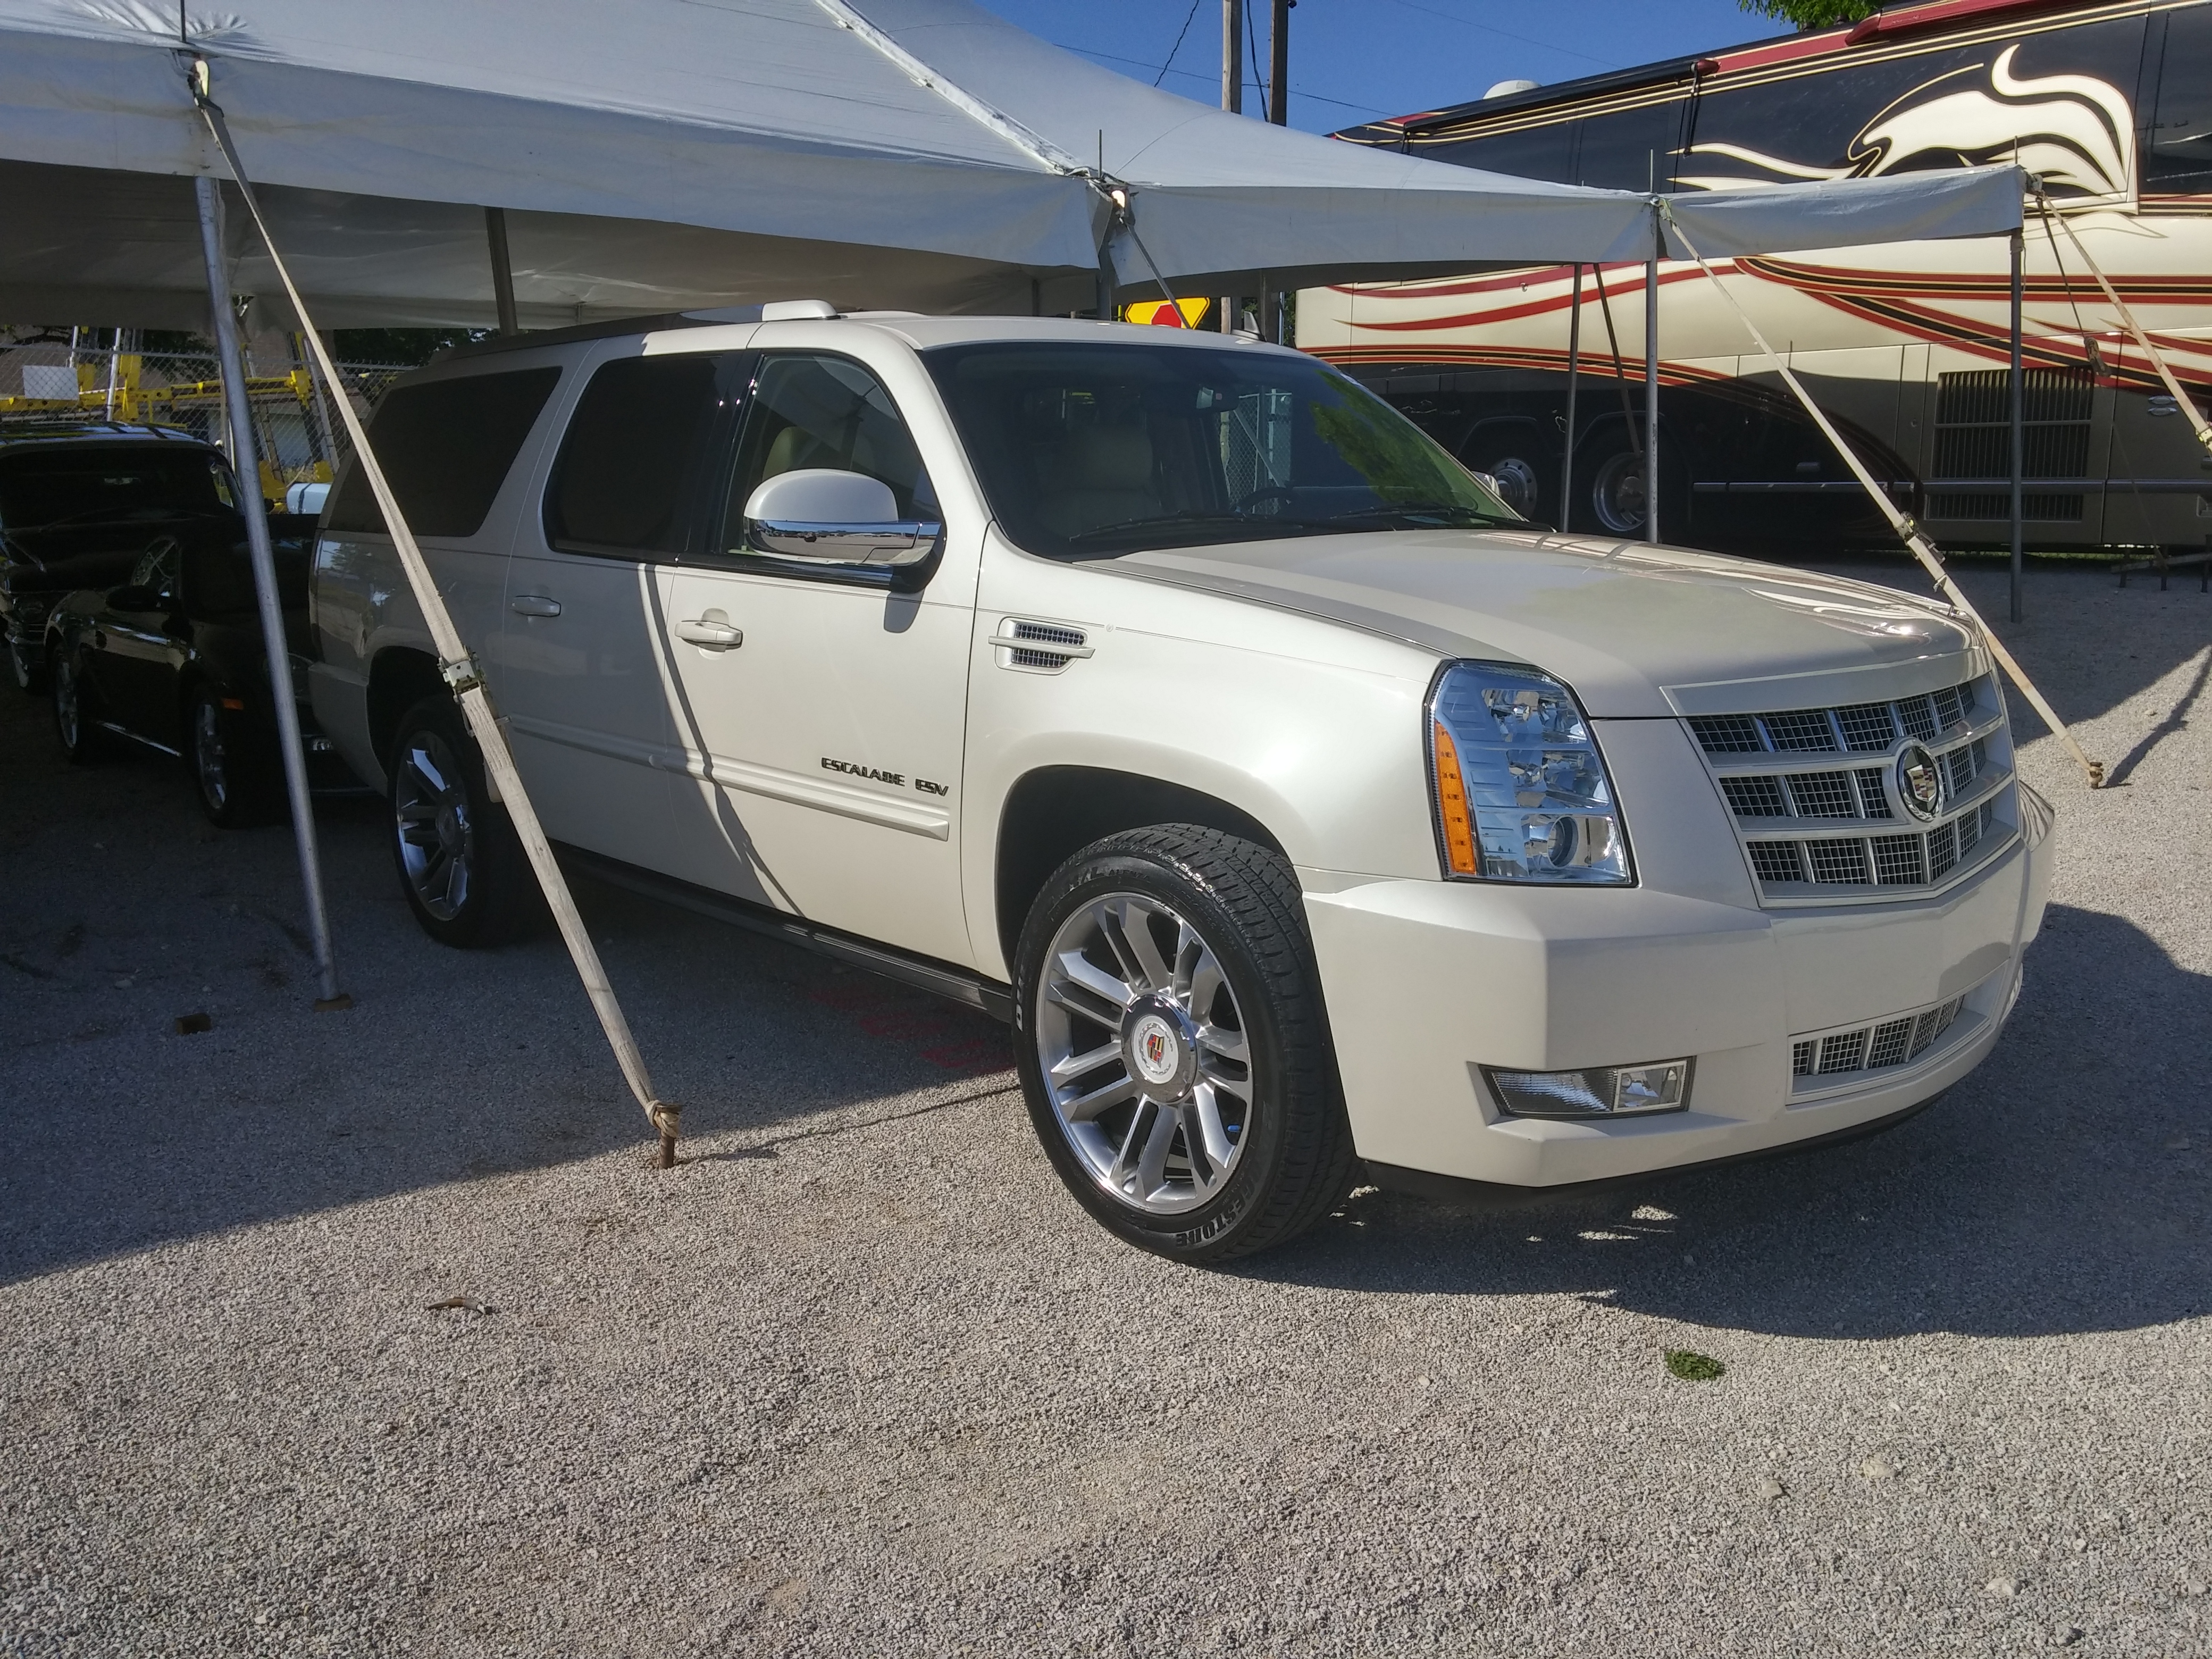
point(1919, 781)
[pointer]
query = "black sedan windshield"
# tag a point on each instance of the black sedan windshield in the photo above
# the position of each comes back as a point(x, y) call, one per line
point(43, 489)
point(1086, 450)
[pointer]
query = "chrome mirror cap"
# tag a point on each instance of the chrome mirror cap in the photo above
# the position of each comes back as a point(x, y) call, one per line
point(826, 516)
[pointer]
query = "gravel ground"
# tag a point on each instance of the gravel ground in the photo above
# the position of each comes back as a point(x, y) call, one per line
point(371, 1331)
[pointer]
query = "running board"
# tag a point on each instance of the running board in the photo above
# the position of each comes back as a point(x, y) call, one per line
point(938, 978)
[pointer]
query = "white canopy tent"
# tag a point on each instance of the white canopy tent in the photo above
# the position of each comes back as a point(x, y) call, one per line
point(672, 155)
point(668, 155)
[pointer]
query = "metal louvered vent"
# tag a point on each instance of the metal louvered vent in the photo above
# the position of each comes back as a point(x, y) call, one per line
point(1831, 1057)
point(1040, 648)
point(1820, 826)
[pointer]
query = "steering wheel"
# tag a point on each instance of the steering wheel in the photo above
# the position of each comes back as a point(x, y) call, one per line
point(1282, 492)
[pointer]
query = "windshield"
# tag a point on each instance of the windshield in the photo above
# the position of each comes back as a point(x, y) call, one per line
point(1087, 450)
point(109, 484)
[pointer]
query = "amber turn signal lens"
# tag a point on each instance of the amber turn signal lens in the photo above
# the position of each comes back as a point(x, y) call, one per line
point(1451, 801)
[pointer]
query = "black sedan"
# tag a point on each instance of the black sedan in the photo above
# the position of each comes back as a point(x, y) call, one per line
point(79, 504)
point(172, 660)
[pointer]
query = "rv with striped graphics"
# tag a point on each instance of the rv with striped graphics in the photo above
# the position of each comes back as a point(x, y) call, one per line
point(2110, 105)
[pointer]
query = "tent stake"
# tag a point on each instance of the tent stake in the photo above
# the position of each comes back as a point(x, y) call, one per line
point(2092, 769)
point(463, 674)
point(245, 467)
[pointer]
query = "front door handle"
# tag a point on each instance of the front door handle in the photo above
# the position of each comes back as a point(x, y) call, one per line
point(534, 605)
point(710, 634)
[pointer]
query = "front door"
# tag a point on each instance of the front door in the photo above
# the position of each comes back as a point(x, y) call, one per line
point(820, 711)
point(135, 668)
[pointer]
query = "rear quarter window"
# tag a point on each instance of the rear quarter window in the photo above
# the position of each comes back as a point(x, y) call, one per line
point(446, 446)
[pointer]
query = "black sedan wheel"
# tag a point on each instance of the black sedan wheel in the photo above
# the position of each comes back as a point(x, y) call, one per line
point(1174, 1053)
point(75, 716)
point(460, 864)
point(230, 762)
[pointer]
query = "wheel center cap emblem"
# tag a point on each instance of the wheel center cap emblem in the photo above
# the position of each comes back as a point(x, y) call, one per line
point(1919, 781)
point(1152, 1048)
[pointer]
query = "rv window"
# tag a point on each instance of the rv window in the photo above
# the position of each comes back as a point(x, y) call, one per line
point(1546, 152)
point(446, 446)
point(1619, 151)
point(2180, 158)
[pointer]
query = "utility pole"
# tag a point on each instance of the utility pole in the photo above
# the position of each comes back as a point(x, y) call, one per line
point(1232, 99)
point(1279, 62)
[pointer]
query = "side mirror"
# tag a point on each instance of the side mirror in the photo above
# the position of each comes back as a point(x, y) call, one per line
point(829, 517)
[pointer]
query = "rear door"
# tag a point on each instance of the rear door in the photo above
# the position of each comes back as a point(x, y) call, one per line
point(583, 679)
point(138, 650)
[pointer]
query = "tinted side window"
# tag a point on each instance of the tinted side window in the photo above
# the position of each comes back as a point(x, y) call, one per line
point(629, 465)
point(2180, 157)
point(447, 447)
point(1620, 151)
point(1540, 152)
point(823, 412)
point(219, 580)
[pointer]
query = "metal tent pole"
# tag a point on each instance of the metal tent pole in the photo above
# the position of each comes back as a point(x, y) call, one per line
point(1651, 399)
point(1232, 99)
point(2019, 424)
point(502, 269)
point(231, 364)
point(1574, 374)
point(461, 671)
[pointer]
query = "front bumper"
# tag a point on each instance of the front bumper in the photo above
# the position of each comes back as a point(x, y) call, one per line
point(1427, 982)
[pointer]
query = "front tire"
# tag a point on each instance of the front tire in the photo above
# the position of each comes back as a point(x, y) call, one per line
point(75, 715)
point(461, 865)
point(1174, 1050)
point(22, 672)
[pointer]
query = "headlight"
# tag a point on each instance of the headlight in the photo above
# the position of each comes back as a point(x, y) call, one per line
point(1520, 789)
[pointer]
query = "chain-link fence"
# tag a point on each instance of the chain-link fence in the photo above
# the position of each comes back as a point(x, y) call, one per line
point(301, 439)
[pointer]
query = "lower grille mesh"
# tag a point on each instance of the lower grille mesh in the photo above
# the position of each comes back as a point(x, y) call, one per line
point(1873, 1047)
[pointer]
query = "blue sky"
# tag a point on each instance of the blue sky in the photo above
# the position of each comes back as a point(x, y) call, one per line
point(1352, 60)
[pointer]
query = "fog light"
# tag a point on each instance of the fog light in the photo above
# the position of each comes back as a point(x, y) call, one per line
point(1601, 1092)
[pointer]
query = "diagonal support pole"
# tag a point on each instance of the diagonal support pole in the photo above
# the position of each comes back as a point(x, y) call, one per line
point(464, 674)
point(2183, 402)
point(1909, 531)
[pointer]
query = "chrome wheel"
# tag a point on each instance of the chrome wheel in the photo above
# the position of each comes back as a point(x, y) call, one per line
point(1617, 494)
point(1143, 1055)
point(209, 761)
point(69, 702)
point(437, 841)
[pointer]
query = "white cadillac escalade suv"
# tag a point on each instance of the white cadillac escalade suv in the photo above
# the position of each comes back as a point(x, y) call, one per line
point(1173, 698)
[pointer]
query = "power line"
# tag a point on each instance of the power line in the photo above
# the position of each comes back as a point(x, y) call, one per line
point(1192, 75)
point(1188, 18)
point(1492, 28)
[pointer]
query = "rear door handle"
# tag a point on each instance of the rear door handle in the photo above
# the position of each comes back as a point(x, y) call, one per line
point(534, 605)
point(710, 635)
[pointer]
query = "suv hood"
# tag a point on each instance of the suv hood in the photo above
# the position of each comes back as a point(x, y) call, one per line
point(1618, 621)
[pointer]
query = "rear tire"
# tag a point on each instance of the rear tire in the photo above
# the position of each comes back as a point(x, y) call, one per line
point(460, 863)
point(234, 774)
point(1173, 1046)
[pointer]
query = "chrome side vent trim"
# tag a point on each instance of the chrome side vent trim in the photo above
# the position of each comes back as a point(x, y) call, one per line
point(1039, 647)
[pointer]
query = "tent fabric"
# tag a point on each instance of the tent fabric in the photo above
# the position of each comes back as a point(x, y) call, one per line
point(672, 153)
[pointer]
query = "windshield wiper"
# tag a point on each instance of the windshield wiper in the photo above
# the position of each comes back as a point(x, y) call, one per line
point(1427, 510)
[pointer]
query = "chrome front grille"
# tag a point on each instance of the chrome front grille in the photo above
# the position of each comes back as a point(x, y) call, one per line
point(1819, 825)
